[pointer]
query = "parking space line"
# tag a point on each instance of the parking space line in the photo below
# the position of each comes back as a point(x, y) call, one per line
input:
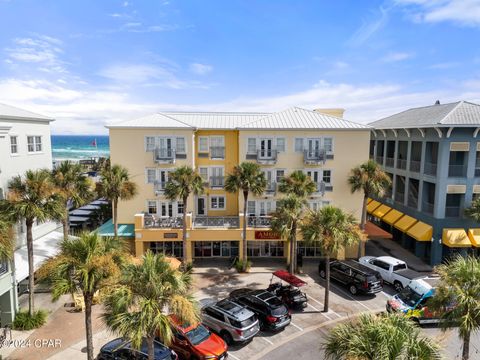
point(329, 311)
point(233, 356)
point(347, 294)
point(313, 307)
point(318, 302)
point(268, 341)
point(298, 327)
point(386, 295)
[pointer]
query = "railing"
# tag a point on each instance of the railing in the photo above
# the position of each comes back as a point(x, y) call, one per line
point(412, 202)
point(266, 156)
point(457, 170)
point(164, 155)
point(390, 162)
point(217, 221)
point(401, 164)
point(259, 221)
point(216, 181)
point(271, 188)
point(430, 169)
point(427, 207)
point(151, 221)
point(379, 159)
point(452, 211)
point(415, 165)
point(159, 186)
point(314, 156)
point(400, 198)
point(321, 187)
point(217, 152)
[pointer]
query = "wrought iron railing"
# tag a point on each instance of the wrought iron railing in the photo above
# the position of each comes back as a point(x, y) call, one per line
point(152, 221)
point(314, 155)
point(217, 221)
point(164, 154)
point(259, 221)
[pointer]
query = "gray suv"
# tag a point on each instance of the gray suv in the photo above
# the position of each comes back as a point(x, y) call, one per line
point(233, 322)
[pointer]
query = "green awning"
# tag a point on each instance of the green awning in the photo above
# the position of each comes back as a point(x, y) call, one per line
point(124, 230)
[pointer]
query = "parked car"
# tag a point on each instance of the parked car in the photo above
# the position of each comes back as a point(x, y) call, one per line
point(121, 349)
point(290, 294)
point(232, 321)
point(271, 312)
point(197, 342)
point(392, 270)
point(355, 276)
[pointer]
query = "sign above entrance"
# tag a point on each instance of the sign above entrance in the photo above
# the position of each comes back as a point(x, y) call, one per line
point(266, 235)
point(170, 235)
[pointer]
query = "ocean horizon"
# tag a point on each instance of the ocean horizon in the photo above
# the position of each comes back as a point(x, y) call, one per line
point(77, 147)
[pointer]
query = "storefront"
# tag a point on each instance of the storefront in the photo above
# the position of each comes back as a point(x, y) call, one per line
point(202, 249)
point(168, 248)
point(271, 248)
point(311, 250)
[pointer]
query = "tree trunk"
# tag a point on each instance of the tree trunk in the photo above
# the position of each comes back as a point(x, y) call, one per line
point(88, 299)
point(294, 248)
point(184, 227)
point(466, 347)
point(31, 270)
point(115, 225)
point(327, 285)
point(363, 221)
point(291, 265)
point(244, 243)
point(151, 347)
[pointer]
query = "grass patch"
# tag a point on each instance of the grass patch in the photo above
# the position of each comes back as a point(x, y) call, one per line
point(23, 320)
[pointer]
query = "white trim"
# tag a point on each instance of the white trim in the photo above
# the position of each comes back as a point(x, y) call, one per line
point(35, 144)
point(439, 132)
point(256, 142)
point(449, 132)
point(383, 132)
point(147, 206)
point(208, 144)
point(422, 132)
point(205, 208)
point(407, 131)
point(395, 132)
point(217, 196)
point(475, 133)
point(145, 142)
point(146, 175)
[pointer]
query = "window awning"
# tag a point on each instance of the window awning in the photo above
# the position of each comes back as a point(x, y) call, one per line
point(124, 230)
point(421, 231)
point(369, 200)
point(455, 238)
point(474, 236)
point(375, 232)
point(392, 216)
point(372, 206)
point(381, 211)
point(405, 223)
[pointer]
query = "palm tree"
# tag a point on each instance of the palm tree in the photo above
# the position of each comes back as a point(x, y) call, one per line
point(35, 199)
point(6, 235)
point(332, 229)
point(88, 264)
point(473, 211)
point(73, 186)
point(379, 337)
point(286, 219)
point(137, 308)
point(181, 183)
point(457, 297)
point(115, 185)
point(372, 181)
point(297, 183)
point(247, 178)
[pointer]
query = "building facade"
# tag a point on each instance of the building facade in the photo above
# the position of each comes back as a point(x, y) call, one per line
point(432, 155)
point(213, 143)
point(24, 144)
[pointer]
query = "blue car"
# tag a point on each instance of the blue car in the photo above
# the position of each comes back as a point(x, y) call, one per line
point(121, 349)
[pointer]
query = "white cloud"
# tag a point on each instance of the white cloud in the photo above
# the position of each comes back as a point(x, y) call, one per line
point(368, 29)
point(396, 56)
point(200, 69)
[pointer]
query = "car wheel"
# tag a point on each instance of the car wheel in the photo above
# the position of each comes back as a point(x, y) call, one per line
point(227, 337)
point(398, 286)
point(323, 275)
point(353, 289)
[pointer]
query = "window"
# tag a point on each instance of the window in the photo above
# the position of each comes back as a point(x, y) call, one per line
point(280, 175)
point(166, 209)
point(252, 146)
point(328, 144)
point(298, 145)
point(181, 145)
point(217, 203)
point(280, 144)
point(215, 314)
point(34, 143)
point(152, 207)
point(251, 208)
point(203, 171)
point(149, 143)
point(151, 176)
point(203, 144)
point(327, 176)
point(180, 208)
point(13, 145)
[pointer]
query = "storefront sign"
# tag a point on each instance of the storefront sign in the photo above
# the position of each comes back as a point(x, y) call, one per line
point(170, 235)
point(266, 235)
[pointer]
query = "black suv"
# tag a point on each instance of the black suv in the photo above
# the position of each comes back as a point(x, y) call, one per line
point(120, 349)
point(357, 277)
point(271, 312)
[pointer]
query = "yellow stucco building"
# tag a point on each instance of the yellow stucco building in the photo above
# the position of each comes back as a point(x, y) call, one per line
point(320, 143)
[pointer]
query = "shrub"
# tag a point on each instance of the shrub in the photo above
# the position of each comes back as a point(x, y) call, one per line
point(239, 265)
point(186, 267)
point(23, 320)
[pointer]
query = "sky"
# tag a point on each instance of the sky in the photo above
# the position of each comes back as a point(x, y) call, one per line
point(89, 63)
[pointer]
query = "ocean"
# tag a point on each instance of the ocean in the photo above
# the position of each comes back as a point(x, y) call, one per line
point(76, 147)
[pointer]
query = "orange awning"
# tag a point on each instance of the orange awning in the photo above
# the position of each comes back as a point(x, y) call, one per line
point(375, 232)
point(372, 206)
point(381, 211)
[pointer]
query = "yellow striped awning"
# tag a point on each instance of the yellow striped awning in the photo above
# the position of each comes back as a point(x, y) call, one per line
point(421, 231)
point(381, 211)
point(369, 200)
point(372, 206)
point(455, 238)
point(474, 236)
point(405, 223)
point(392, 216)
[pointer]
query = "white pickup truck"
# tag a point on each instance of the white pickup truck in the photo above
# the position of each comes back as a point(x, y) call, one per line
point(392, 270)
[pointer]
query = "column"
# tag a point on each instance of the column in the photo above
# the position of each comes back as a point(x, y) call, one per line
point(442, 179)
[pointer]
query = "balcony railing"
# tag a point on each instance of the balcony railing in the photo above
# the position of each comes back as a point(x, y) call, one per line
point(400, 198)
point(313, 157)
point(164, 156)
point(321, 187)
point(216, 181)
point(379, 159)
point(267, 156)
point(271, 188)
point(427, 207)
point(452, 211)
point(259, 221)
point(415, 165)
point(412, 202)
point(457, 170)
point(217, 152)
point(216, 221)
point(430, 169)
point(401, 164)
point(151, 221)
point(159, 186)
point(390, 162)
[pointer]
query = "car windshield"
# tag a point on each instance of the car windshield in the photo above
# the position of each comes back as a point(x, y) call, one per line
point(399, 267)
point(409, 297)
point(198, 335)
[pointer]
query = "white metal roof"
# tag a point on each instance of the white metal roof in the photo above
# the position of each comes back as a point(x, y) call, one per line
point(216, 120)
point(11, 112)
point(157, 120)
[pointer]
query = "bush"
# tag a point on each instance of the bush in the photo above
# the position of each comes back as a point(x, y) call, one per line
point(23, 320)
point(187, 267)
point(240, 264)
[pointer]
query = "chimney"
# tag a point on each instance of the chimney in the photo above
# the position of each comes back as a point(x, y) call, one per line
point(437, 102)
point(338, 112)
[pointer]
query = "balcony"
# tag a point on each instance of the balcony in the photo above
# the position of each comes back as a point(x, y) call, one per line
point(415, 166)
point(155, 222)
point(217, 152)
point(267, 157)
point(430, 169)
point(389, 162)
point(427, 207)
point(164, 156)
point(401, 164)
point(216, 221)
point(322, 187)
point(216, 181)
point(159, 187)
point(271, 188)
point(412, 202)
point(259, 221)
point(452, 211)
point(457, 170)
point(379, 159)
point(399, 198)
point(314, 157)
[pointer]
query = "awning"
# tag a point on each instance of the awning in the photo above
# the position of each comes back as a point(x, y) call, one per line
point(381, 211)
point(372, 206)
point(289, 278)
point(43, 248)
point(456, 238)
point(89, 207)
point(375, 232)
point(124, 230)
point(80, 212)
point(369, 200)
point(421, 231)
point(78, 219)
point(474, 236)
point(392, 216)
point(405, 223)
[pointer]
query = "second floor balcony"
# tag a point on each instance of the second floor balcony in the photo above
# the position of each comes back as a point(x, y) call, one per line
point(267, 156)
point(216, 221)
point(164, 156)
point(259, 221)
point(156, 222)
point(314, 157)
point(216, 181)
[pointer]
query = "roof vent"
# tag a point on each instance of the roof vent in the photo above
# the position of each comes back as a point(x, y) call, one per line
point(437, 102)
